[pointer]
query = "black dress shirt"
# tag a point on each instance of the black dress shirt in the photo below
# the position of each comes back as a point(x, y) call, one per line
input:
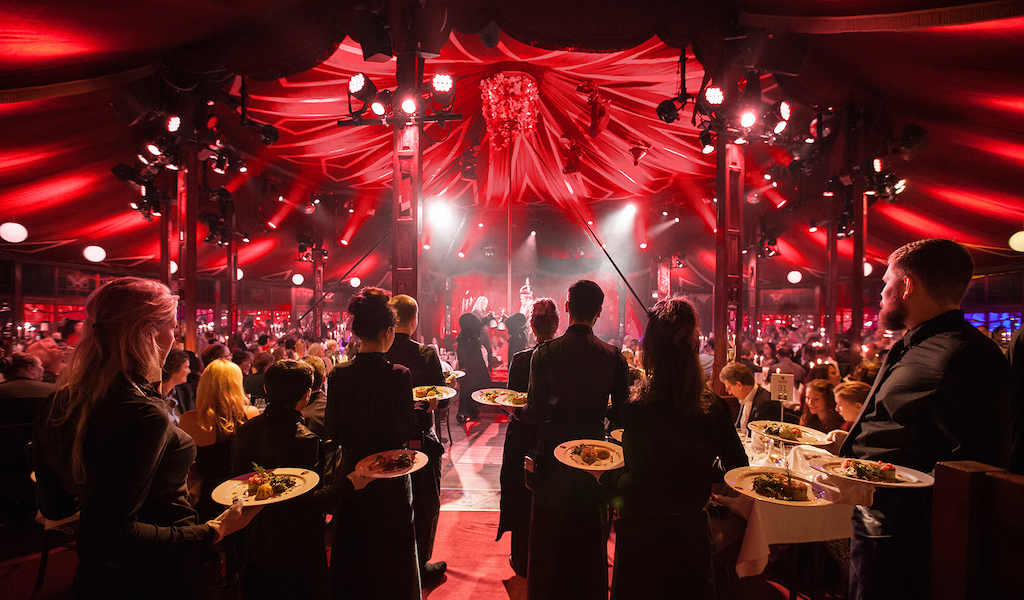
point(942, 394)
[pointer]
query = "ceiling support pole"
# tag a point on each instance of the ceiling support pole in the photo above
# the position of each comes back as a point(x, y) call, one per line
point(728, 301)
point(318, 285)
point(834, 321)
point(232, 299)
point(166, 209)
point(189, 197)
point(408, 181)
point(860, 233)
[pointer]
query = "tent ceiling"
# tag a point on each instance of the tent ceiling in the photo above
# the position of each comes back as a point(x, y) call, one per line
point(962, 83)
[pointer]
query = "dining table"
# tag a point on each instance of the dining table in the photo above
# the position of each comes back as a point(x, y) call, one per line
point(769, 523)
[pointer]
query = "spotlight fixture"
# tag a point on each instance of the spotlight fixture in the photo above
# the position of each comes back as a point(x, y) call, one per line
point(442, 90)
point(812, 226)
point(221, 165)
point(360, 86)
point(707, 142)
point(668, 110)
point(409, 105)
point(638, 151)
point(750, 106)
point(714, 95)
point(381, 105)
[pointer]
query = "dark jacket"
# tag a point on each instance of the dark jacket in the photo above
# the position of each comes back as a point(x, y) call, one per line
point(20, 399)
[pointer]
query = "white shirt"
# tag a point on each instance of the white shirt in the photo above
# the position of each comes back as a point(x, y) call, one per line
point(746, 405)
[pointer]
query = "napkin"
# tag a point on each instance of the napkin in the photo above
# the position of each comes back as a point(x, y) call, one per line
point(852, 492)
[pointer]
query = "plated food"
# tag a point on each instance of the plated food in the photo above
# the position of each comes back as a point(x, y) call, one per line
point(590, 455)
point(392, 463)
point(426, 393)
point(790, 434)
point(877, 473)
point(500, 397)
point(776, 485)
point(266, 486)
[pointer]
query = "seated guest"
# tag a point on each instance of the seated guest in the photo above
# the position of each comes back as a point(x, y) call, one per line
point(23, 388)
point(756, 403)
point(866, 372)
point(177, 397)
point(663, 544)
point(51, 355)
point(819, 411)
point(221, 407)
point(284, 554)
point(316, 409)
point(253, 384)
point(785, 364)
point(214, 351)
point(104, 445)
point(850, 397)
point(243, 358)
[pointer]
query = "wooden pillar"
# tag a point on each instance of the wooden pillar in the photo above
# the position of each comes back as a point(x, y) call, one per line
point(189, 170)
point(727, 301)
point(408, 175)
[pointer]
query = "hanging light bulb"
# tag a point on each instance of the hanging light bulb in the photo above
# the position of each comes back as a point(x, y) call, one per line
point(13, 232)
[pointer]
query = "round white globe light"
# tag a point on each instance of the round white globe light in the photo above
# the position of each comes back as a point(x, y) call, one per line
point(14, 233)
point(354, 282)
point(795, 277)
point(174, 267)
point(94, 254)
point(1016, 241)
point(297, 279)
point(238, 274)
point(868, 269)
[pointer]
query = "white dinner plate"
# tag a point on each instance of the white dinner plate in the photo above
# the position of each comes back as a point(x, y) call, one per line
point(742, 479)
point(564, 454)
point(456, 374)
point(238, 487)
point(441, 393)
point(500, 397)
point(905, 477)
point(364, 467)
point(811, 437)
point(616, 434)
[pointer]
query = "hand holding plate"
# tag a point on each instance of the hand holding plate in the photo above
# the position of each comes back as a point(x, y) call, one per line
point(853, 492)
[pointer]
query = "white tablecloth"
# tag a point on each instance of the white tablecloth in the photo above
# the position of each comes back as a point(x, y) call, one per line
point(769, 523)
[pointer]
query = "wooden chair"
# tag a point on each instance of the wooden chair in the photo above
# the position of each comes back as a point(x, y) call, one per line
point(977, 533)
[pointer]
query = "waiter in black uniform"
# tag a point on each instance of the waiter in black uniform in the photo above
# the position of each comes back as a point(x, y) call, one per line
point(943, 394)
point(425, 368)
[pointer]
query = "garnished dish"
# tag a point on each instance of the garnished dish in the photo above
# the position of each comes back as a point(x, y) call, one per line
point(266, 486)
point(392, 463)
point(790, 434)
point(877, 473)
point(590, 455)
point(781, 487)
point(426, 393)
point(500, 397)
point(778, 486)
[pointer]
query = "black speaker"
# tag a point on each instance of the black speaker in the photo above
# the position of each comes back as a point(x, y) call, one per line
point(782, 53)
point(373, 36)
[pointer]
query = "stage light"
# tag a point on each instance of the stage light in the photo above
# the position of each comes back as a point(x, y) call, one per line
point(241, 167)
point(784, 110)
point(794, 277)
point(297, 279)
point(13, 232)
point(462, 254)
point(643, 245)
point(267, 134)
point(707, 142)
point(773, 121)
point(748, 118)
point(877, 165)
point(677, 219)
point(154, 149)
point(1016, 241)
point(354, 282)
point(360, 86)
point(426, 246)
point(173, 123)
point(344, 242)
point(714, 95)
point(667, 110)
point(245, 237)
point(409, 106)
point(740, 141)
point(442, 89)
point(94, 254)
point(221, 166)
point(812, 226)
point(271, 224)
point(630, 210)
point(239, 274)
point(381, 105)
point(479, 224)
point(533, 233)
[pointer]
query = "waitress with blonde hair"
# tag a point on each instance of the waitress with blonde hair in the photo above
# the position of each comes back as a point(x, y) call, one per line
point(103, 445)
point(221, 406)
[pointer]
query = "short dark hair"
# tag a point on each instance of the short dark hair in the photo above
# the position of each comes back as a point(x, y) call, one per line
point(371, 313)
point(784, 351)
point(287, 381)
point(175, 358)
point(240, 357)
point(736, 372)
point(943, 267)
point(262, 340)
point(213, 352)
point(585, 300)
point(262, 361)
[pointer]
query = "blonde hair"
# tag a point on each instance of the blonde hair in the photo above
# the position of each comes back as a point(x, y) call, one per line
point(220, 399)
point(315, 349)
point(117, 341)
point(300, 348)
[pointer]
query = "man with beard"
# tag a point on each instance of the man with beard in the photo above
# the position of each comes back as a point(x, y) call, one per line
point(943, 394)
